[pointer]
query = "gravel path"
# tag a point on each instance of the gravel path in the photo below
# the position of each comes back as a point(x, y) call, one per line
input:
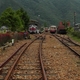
point(61, 63)
point(4, 54)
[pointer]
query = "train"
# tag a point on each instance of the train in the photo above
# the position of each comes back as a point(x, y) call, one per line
point(46, 29)
point(53, 29)
point(33, 29)
point(61, 29)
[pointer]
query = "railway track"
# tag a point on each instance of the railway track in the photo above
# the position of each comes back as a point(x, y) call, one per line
point(59, 65)
point(29, 65)
point(24, 64)
point(70, 44)
point(47, 61)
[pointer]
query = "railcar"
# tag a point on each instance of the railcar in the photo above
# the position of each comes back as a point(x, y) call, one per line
point(32, 29)
point(53, 29)
point(46, 29)
point(61, 29)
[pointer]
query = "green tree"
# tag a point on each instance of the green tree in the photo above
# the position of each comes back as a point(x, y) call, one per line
point(45, 24)
point(24, 17)
point(65, 23)
point(70, 30)
point(11, 19)
point(5, 18)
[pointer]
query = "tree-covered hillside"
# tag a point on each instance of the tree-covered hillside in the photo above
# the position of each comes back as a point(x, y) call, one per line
point(8, 3)
point(46, 11)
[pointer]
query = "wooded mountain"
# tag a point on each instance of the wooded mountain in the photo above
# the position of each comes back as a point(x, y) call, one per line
point(46, 11)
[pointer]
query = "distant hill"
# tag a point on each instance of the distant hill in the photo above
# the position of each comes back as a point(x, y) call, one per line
point(8, 3)
point(46, 11)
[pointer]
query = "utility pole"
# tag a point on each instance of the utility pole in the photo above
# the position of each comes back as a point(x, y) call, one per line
point(74, 18)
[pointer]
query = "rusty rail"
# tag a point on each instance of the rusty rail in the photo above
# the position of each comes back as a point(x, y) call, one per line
point(68, 46)
point(8, 76)
point(69, 40)
point(6, 61)
point(41, 62)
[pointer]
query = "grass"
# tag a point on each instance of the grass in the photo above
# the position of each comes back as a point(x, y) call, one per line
point(76, 39)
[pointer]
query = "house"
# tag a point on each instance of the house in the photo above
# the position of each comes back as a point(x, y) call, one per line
point(4, 29)
point(77, 27)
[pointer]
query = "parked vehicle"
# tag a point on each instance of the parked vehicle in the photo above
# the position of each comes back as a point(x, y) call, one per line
point(53, 29)
point(61, 29)
point(32, 29)
point(46, 29)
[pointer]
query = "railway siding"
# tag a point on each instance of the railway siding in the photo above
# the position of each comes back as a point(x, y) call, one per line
point(70, 44)
point(59, 61)
point(29, 64)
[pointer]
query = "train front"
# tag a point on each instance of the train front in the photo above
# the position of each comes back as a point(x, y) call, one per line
point(53, 29)
point(33, 29)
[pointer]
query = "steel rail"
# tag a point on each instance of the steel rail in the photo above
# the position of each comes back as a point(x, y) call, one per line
point(6, 61)
point(8, 76)
point(41, 62)
point(69, 40)
point(68, 46)
point(72, 49)
point(74, 42)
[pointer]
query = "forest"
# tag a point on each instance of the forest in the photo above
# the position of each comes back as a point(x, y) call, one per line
point(50, 11)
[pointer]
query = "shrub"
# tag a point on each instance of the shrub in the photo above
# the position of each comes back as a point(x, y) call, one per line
point(4, 38)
